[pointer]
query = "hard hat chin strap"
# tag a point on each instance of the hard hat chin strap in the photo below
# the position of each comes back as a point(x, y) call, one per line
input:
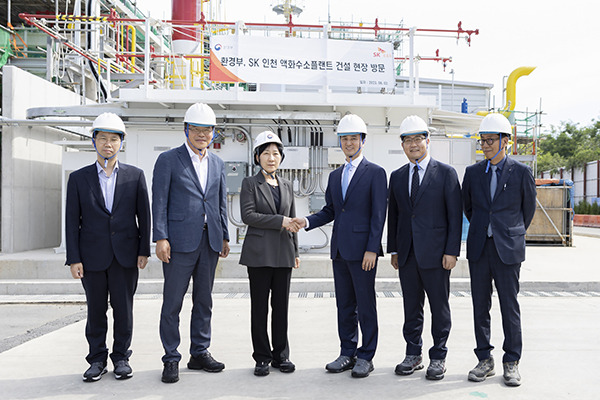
point(417, 161)
point(362, 143)
point(187, 135)
point(105, 158)
point(489, 161)
point(271, 174)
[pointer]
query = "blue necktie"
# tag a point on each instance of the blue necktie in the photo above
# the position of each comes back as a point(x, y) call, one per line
point(493, 186)
point(346, 179)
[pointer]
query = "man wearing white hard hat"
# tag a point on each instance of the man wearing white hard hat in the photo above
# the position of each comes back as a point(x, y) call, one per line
point(108, 239)
point(356, 198)
point(424, 233)
point(499, 202)
point(189, 209)
point(269, 252)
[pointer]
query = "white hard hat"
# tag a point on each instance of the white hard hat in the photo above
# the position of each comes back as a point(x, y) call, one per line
point(200, 114)
point(108, 122)
point(413, 125)
point(351, 124)
point(495, 123)
point(266, 137)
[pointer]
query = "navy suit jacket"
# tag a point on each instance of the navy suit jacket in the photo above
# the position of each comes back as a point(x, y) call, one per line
point(359, 219)
point(510, 212)
point(94, 235)
point(434, 224)
point(179, 205)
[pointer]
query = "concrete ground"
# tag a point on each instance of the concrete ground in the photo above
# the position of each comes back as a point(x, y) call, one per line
point(44, 345)
point(559, 360)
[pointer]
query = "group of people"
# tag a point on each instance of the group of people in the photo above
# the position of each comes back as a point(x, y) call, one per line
point(108, 240)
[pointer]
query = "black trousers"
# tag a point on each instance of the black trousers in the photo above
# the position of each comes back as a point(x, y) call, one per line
point(416, 282)
point(506, 278)
point(120, 284)
point(265, 281)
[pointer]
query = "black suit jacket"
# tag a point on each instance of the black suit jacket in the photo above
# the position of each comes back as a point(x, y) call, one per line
point(434, 224)
point(94, 235)
point(510, 212)
point(267, 244)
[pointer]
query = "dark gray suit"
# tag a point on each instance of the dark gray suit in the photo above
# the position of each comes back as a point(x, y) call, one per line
point(264, 224)
point(269, 251)
point(195, 224)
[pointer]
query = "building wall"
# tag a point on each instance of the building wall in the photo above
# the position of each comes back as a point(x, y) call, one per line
point(31, 165)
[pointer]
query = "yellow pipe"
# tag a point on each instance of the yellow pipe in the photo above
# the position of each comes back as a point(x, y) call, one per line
point(133, 49)
point(511, 90)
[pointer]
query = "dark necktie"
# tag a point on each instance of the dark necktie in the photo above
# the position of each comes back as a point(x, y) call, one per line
point(493, 186)
point(414, 187)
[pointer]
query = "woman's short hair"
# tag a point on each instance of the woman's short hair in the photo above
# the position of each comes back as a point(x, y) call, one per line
point(260, 149)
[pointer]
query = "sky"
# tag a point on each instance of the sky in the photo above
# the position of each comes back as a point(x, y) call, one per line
point(560, 38)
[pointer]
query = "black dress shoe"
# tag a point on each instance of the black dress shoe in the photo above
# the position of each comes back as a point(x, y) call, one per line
point(206, 362)
point(285, 365)
point(95, 372)
point(261, 368)
point(170, 372)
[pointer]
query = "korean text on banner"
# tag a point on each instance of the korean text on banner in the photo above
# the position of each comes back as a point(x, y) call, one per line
point(294, 61)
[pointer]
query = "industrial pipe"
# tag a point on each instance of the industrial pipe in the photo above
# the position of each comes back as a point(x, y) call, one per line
point(184, 39)
point(511, 87)
point(195, 21)
point(511, 90)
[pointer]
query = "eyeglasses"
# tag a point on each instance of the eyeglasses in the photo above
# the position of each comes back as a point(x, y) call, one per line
point(413, 139)
point(106, 139)
point(489, 141)
point(201, 130)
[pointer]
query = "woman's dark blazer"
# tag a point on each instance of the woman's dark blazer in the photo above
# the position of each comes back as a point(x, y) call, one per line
point(267, 244)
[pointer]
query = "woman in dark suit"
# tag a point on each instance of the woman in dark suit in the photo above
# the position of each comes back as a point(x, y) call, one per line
point(270, 252)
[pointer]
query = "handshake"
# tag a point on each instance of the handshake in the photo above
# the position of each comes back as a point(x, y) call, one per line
point(293, 224)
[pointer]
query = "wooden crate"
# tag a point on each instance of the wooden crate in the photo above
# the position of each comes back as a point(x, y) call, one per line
point(554, 200)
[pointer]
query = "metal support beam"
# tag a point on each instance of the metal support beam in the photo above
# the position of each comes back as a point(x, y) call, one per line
point(92, 111)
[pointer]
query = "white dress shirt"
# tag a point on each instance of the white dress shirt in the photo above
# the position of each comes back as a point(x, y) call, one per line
point(200, 166)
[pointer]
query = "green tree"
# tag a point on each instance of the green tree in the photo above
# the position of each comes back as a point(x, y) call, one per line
point(569, 146)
